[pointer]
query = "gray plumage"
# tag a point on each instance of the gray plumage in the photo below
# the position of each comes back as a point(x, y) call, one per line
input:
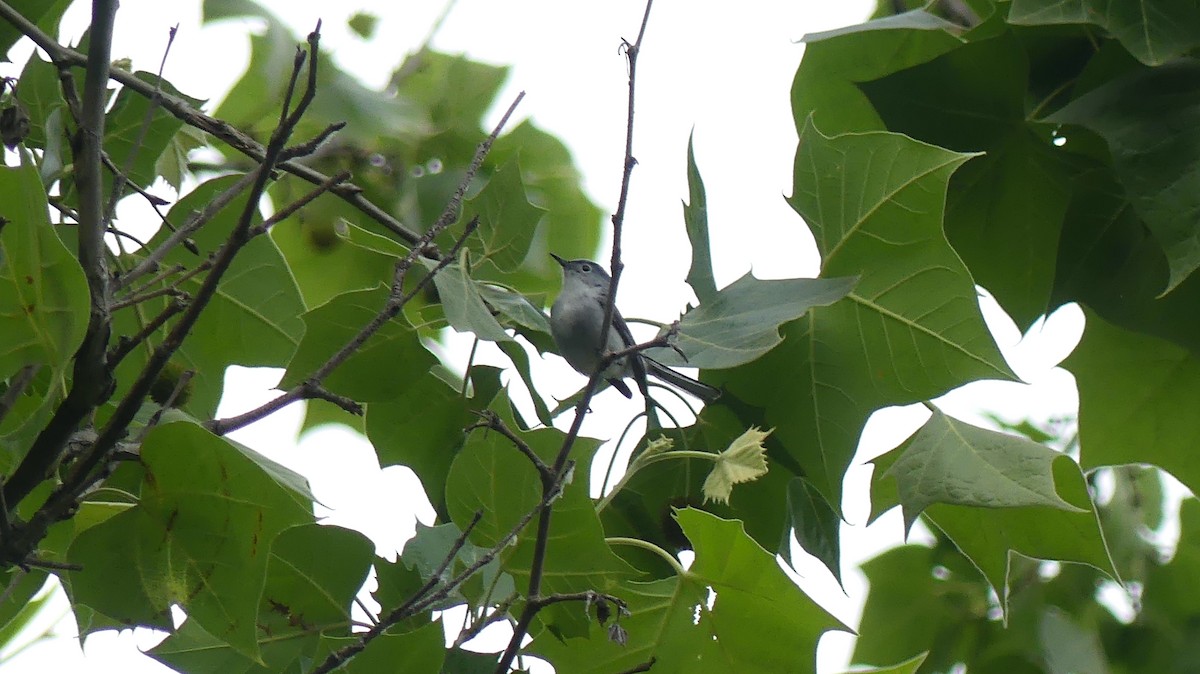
point(575, 322)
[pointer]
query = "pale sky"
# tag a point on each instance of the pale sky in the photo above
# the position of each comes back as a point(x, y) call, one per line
point(724, 69)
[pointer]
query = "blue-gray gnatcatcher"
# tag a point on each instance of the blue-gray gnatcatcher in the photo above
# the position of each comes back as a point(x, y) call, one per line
point(575, 322)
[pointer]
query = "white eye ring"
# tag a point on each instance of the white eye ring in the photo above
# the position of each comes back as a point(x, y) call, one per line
point(586, 267)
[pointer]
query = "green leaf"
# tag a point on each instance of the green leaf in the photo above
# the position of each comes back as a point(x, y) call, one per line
point(757, 608)
point(1167, 599)
point(815, 524)
point(23, 604)
point(254, 102)
point(507, 220)
point(741, 322)
point(314, 573)
point(252, 320)
point(836, 61)
point(380, 370)
point(948, 461)
point(743, 461)
point(43, 293)
point(1151, 120)
point(422, 428)
point(465, 309)
point(1109, 261)
point(911, 328)
point(695, 218)
point(644, 507)
point(1136, 396)
point(419, 650)
point(428, 550)
point(137, 131)
point(200, 537)
point(570, 222)
point(192, 649)
point(514, 306)
point(939, 599)
point(40, 93)
point(520, 360)
point(1153, 32)
point(459, 661)
point(1136, 507)
point(490, 476)
point(990, 536)
point(909, 666)
point(1069, 647)
point(329, 255)
point(1005, 209)
point(45, 15)
point(363, 24)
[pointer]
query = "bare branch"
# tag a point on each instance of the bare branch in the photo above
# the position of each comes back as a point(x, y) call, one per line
point(195, 222)
point(91, 382)
point(533, 594)
point(64, 57)
point(64, 498)
point(489, 419)
point(397, 299)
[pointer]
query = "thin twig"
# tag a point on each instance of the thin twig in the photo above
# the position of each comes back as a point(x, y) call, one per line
point(352, 194)
point(489, 419)
point(82, 473)
point(499, 612)
point(287, 211)
point(126, 345)
point(337, 658)
point(16, 386)
point(396, 300)
point(122, 175)
point(138, 299)
point(543, 531)
point(195, 222)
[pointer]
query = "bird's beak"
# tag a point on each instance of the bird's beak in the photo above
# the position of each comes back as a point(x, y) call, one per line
point(561, 262)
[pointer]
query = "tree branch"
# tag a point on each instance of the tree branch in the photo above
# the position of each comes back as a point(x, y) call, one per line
point(533, 595)
point(91, 382)
point(430, 593)
point(396, 300)
point(82, 474)
point(181, 109)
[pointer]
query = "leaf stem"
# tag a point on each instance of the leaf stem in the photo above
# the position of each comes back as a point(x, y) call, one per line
point(647, 545)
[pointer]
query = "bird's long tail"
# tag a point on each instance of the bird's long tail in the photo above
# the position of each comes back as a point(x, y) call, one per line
point(681, 381)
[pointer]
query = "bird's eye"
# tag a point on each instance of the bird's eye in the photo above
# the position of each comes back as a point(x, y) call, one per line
point(586, 268)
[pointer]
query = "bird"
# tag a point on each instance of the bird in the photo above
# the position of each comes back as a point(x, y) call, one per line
point(576, 318)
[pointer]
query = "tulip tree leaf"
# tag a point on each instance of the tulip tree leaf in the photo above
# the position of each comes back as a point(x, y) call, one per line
point(1146, 117)
point(755, 605)
point(910, 329)
point(200, 537)
point(741, 322)
point(380, 370)
point(43, 293)
point(1136, 396)
point(695, 217)
point(1153, 32)
point(948, 461)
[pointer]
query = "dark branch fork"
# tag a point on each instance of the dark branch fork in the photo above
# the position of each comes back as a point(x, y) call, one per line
point(91, 383)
